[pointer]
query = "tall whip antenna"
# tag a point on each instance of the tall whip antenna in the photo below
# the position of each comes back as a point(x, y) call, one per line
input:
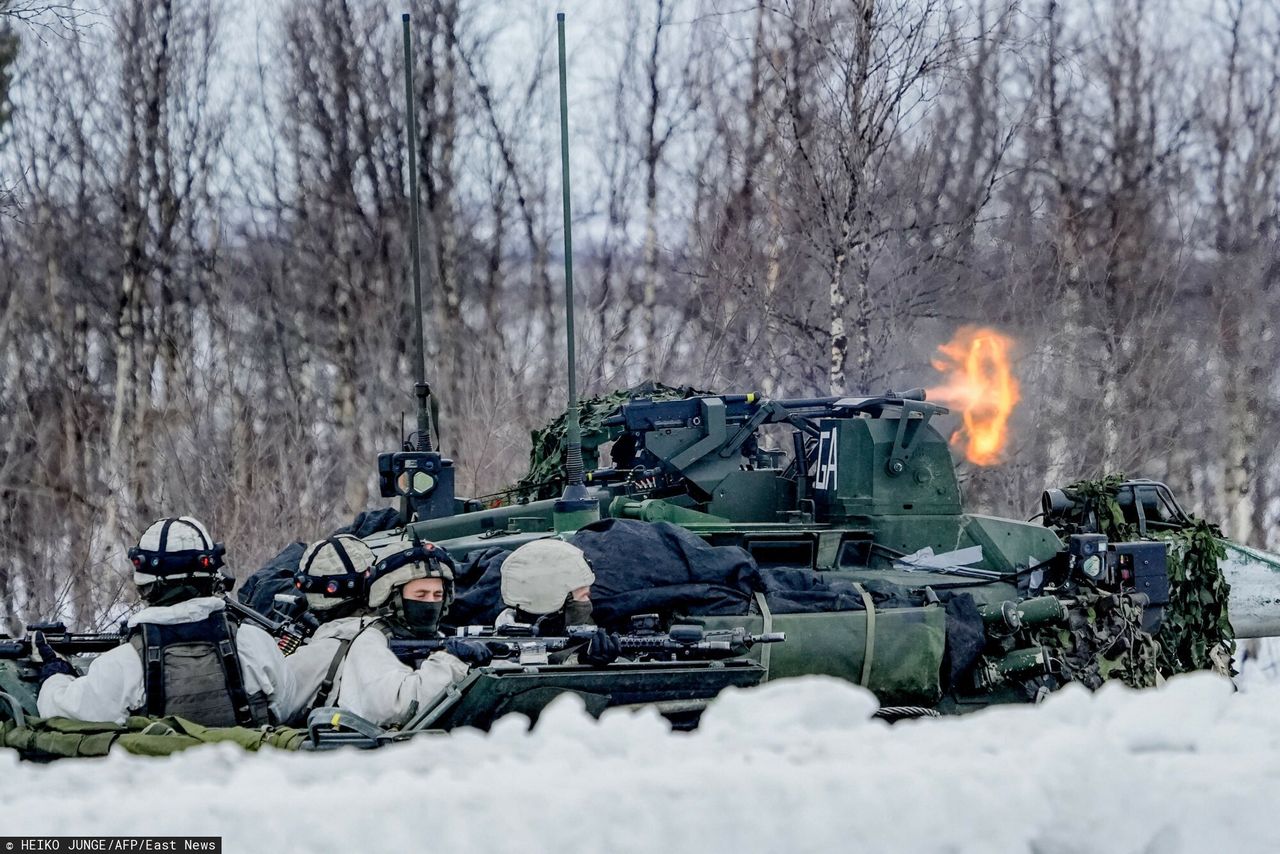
point(575, 500)
point(421, 389)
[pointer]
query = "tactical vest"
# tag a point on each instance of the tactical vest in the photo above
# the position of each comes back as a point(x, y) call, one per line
point(193, 670)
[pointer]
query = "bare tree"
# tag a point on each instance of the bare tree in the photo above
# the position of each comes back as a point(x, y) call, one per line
point(855, 80)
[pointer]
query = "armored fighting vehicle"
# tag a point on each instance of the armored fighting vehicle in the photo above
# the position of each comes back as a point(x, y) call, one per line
point(858, 538)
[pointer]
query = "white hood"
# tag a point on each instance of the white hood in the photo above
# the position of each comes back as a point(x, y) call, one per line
point(343, 629)
point(190, 611)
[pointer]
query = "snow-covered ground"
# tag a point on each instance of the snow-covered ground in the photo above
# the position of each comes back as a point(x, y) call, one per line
point(1258, 662)
point(790, 767)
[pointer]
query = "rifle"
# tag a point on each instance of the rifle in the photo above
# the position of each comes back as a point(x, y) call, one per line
point(62, 641)
point(682, 643)
point(291, 627)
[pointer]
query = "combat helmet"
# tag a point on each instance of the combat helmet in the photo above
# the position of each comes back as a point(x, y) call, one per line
point(333, 573)
point(386, 581)
point(176, 559)
point(540, 576)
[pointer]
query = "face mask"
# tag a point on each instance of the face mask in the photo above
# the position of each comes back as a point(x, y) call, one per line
point(422, 619)
point(577, 613)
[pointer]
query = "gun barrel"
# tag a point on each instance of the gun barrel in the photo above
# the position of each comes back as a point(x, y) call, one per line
point(694, 644)
point(608, 475)
point(411, 649)
point(253, 615)
point(806, 402)
point(713, 646)
point(69, 644)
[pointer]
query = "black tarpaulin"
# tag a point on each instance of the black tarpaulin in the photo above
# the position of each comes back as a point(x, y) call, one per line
point(259, 590)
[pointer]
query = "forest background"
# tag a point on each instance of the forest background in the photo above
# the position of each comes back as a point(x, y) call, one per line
point(203, 278)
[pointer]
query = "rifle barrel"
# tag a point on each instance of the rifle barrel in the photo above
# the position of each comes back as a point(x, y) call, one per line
point(69, 644)
point(253, 615)
point(712, 644)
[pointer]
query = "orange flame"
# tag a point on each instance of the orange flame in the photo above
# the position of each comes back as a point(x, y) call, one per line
point(979, 383)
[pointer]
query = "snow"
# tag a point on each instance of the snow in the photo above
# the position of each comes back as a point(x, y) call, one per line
point(1258, 661)
point(793, 766)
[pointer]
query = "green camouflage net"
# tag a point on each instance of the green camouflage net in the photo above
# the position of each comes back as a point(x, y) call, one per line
point(1102, 640)
point(1195, 633)
point(545, 478)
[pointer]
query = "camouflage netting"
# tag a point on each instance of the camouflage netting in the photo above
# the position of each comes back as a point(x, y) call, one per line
point(546, 458)
point(1195, 633)
point(1103, 640)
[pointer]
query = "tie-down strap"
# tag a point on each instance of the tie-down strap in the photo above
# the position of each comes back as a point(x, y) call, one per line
point(869, 652)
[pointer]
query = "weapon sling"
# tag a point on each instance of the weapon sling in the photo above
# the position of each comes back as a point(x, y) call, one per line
point(326, 687)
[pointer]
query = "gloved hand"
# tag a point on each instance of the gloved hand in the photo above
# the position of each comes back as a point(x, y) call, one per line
point(472, 652)
point(603, 648)
point(50, 662)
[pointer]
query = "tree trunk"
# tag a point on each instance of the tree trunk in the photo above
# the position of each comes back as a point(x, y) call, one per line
point(1242, 422)
point(839, 338)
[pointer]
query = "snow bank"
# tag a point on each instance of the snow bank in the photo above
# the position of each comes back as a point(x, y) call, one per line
point(793, 766)
point(1258, 661)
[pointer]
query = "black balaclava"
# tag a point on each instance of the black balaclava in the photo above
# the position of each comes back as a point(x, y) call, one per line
point(344, 608)
point(555, 624)
point(163, 593)
point(577, 613)
point(416, 619)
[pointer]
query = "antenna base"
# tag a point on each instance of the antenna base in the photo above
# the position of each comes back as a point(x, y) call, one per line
point(423, 392)
point(575, 508)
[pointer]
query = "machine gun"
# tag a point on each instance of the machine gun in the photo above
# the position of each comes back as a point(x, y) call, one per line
point(706, 450)
point(682, 643)
point(291, 625)
point(62, 641)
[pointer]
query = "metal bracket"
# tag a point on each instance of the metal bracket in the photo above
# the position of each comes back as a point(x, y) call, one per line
point(903, 448)
point(768, 413)
point(714, 432)
point(330, 723)
point(766, 626)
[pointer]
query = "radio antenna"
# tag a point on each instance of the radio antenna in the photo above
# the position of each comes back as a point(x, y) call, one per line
point(420, 388)
point(576, 506)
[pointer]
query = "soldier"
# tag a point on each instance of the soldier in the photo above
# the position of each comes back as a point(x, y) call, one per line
point(409, 591)
point(333, 574)
point(547, 584)
point(185, 656)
